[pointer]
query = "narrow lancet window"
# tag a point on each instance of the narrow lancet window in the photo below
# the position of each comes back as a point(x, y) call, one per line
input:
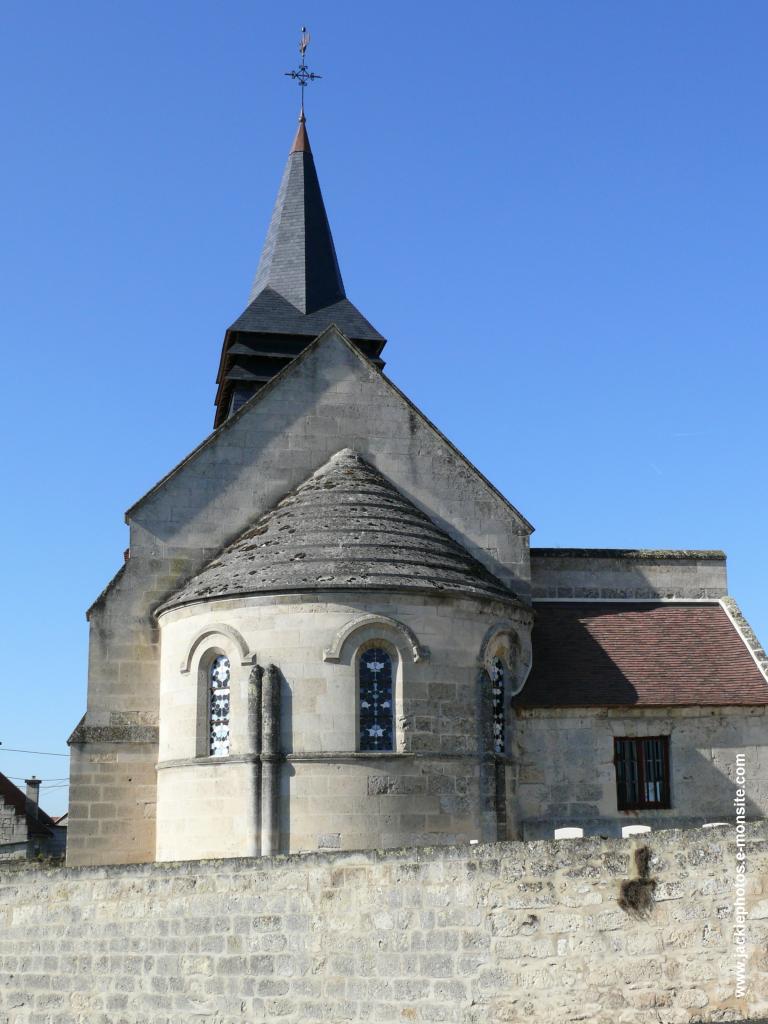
point(218, 718)
point(377, 713)
point(498, 680)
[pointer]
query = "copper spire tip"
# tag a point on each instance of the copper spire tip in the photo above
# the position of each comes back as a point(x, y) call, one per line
point(301, 142)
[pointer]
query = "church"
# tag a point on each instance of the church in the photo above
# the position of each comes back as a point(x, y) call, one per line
point(331, 632)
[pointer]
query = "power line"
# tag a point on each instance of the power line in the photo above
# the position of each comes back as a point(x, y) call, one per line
point(43, 753)
point(45, 782)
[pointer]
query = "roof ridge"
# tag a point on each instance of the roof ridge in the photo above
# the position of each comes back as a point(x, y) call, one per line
point(660, 554)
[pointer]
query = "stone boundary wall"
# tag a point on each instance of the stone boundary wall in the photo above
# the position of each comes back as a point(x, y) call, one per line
point(501, 932)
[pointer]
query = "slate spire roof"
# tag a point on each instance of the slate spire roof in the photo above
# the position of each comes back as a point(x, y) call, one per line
point(297, 293)
point(346, 527)
point(298, 260)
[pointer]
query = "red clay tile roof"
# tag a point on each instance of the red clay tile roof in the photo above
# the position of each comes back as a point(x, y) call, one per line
point(597, 654)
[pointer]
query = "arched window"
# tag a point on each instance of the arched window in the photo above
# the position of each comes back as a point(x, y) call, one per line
point(498, 676)
point(376, 700)
point(218, 706)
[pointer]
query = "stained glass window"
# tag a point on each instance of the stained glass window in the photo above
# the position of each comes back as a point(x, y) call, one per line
point(218, 719)
point(377, 713)
point(498, 680)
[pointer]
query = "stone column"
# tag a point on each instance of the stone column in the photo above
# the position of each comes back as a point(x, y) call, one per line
point(270, 767)
point(254, 745)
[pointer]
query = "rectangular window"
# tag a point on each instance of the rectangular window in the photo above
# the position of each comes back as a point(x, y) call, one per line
point(642, 772)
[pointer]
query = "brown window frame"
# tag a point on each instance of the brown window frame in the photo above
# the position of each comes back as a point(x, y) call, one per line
point(640, 745)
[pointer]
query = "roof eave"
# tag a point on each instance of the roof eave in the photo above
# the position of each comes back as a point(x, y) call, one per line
point(511, 598)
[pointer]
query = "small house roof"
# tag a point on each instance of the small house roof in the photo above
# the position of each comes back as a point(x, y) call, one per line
point(14, 797)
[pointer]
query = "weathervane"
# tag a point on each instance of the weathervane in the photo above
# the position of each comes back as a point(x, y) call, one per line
point(303, 75)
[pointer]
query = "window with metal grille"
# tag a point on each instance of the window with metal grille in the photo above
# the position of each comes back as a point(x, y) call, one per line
point(376, 711)
point(218, 707)
point(642, 772)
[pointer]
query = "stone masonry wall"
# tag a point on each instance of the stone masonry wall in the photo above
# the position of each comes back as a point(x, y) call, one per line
point(608, 574)
point(330, 398)
point(437, 786)
point(13, 832)
point(566, 775)
point(474, 934)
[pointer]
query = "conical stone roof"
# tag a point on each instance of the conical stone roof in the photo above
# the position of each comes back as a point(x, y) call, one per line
point(346, 527)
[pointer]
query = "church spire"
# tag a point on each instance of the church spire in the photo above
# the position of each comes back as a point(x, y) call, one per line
point(298, 260)
point(298, 291)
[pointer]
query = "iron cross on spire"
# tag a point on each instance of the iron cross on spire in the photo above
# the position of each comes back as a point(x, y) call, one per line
point(303, 74)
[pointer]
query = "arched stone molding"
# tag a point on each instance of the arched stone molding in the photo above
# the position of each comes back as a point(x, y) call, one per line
point(510, 640)
point(369, 624)
point(247, 657)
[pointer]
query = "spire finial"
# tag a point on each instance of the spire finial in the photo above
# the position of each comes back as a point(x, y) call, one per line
point(303, 74)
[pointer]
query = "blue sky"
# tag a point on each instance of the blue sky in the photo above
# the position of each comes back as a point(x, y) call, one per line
point(554, 211)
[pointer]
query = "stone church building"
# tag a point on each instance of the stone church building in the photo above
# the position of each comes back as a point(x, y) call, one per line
point(331, 631)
